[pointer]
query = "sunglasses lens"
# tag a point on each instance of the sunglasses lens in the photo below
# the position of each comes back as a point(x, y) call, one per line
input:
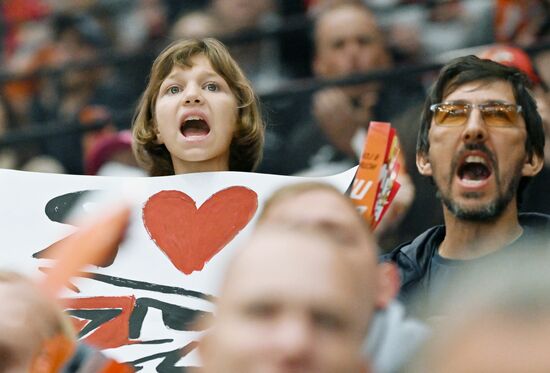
point(500, 115)
point(451, 115)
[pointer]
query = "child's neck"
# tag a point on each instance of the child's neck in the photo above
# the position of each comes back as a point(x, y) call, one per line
point(210, 165)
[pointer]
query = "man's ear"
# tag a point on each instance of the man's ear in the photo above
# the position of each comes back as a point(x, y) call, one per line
point(389, 283)
point(423, 164)
point(532, 165)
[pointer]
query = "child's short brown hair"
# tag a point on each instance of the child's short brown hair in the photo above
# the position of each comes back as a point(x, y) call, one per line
point(247, 143)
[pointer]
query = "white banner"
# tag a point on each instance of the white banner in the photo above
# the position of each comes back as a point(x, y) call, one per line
point(140, 305)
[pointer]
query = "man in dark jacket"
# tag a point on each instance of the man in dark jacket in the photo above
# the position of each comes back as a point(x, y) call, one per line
point(480, 141)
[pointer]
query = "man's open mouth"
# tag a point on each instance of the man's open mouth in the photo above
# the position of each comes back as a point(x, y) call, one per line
point(194, 126)
point(474, 170)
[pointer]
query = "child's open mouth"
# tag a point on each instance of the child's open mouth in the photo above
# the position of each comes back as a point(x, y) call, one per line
point(194, 126)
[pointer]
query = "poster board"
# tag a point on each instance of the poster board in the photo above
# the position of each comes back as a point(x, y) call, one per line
point(140, 306)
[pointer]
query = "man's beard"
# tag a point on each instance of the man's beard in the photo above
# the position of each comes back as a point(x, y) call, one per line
point(486, 213)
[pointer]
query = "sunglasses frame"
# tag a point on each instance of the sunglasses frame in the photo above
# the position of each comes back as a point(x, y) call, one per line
point(468, 109)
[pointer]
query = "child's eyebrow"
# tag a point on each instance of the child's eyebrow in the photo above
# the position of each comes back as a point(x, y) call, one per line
point(201, 75)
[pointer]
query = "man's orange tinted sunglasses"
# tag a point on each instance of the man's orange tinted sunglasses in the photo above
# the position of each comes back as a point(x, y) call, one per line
point(494, 114)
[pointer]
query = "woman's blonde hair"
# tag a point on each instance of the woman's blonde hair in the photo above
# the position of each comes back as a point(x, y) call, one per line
point(247, 143)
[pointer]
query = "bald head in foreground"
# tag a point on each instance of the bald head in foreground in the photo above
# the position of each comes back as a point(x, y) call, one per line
point(289, 303)
point(320, 206)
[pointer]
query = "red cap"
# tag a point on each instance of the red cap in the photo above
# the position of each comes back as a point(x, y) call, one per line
point(514, 57)
point(105, 147)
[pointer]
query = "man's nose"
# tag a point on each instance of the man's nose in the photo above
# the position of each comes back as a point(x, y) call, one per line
point(475, 128)
point(295, 339)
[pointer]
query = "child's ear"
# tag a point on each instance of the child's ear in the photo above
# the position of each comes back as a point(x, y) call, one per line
point(158, 140)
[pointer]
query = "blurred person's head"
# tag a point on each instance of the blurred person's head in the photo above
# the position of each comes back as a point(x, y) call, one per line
point(111, 148)
point(348, 40)
point(502, 326)
point(31, 324)
point(288, 303)
point(509, 55)
point(156, 152)
point(322, 206)
point(78, 39)
point(197, 24)
point(237, 15)
point(480, 163)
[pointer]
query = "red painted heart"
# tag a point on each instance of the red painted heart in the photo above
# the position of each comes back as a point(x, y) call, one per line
point(190, 237)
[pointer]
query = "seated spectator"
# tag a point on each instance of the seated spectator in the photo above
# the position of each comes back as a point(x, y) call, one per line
point(197, 24)
point(8, 157)
point(259, 58)
point(62, 98)
point(480, 141)
point(321, 207)
point(111, 155)
point(234, 21)
point(347, 41)
point(23, 157)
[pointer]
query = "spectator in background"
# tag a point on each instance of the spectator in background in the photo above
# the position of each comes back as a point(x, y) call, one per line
point(288, 303)
point(455, 24)
point(9, 158)
point(238, 22)
point(64, 97)
point(321, 207)
point(480, 140)
point(145, 23)
point(23, 156)
point(347, 41)
point(239, 15)
point(196, 24)
point(422, 31)
point(25, 29)
point(525, 23)
point(111, 155)
point(536, 197)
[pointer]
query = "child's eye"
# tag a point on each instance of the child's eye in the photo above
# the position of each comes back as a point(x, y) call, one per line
point(173, 90)
point(212, 87)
